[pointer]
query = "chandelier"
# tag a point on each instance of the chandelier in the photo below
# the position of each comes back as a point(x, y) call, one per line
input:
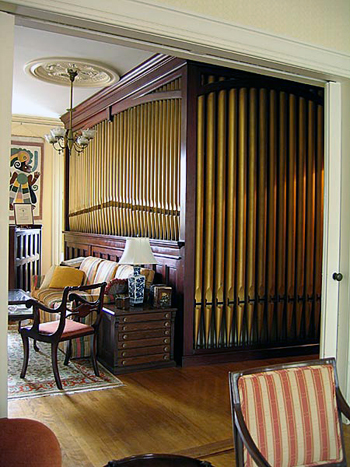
point(65, 139)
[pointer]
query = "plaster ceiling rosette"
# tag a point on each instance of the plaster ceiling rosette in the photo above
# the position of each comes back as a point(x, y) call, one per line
point(54, 70)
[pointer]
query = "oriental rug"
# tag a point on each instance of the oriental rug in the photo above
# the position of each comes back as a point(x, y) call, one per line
point(78, 376)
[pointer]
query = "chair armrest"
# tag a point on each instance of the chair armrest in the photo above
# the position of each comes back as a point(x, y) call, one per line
point(342, 404)
point(39, 305)
point(83, 288)
point(248, 441)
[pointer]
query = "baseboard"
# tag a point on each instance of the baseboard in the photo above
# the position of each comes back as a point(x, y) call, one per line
point(256, 354)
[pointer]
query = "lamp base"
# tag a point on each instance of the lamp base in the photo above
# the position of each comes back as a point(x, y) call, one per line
point(136, 287)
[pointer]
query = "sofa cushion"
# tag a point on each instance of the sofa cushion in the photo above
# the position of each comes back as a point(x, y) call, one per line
point(47, 278)
point(105, 271)
point(64, 276)
point(89, 266)
point(123, 271)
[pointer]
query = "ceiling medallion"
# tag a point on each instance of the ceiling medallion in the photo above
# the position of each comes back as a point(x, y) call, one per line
point(54, 70)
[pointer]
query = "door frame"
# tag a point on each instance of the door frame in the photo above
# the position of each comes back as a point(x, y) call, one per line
point(196, 37)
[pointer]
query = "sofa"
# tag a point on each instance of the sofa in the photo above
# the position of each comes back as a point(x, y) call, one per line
point(91, 270)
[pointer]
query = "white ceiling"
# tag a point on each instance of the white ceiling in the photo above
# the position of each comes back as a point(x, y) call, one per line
point(34, 97)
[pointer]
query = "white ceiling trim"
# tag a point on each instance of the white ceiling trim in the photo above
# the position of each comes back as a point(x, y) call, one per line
point(32, 120)
point(193, 33)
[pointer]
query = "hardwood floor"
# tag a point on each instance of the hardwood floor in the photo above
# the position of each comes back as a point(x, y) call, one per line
point(178, 410)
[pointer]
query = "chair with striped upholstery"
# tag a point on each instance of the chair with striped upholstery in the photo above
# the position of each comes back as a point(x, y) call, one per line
point(288, 415)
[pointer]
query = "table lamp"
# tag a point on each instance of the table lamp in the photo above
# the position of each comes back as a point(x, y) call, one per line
point(137, 252)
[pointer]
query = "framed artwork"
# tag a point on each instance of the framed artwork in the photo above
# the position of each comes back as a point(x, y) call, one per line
point(26, 167)
point(162, 296)
point(23, 214)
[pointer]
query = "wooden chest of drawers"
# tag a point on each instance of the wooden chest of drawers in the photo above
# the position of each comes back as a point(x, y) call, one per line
point(136, 339)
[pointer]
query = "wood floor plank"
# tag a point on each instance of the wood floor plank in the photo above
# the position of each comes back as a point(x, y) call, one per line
point(175, 410)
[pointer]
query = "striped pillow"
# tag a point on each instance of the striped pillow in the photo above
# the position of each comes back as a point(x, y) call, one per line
point(292, 416)
point(89, 266)
point(105, 271)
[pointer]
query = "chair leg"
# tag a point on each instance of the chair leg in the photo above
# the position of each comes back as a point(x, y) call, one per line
point(54, 348)
point(68, 353)
point(93, 354)
point(36, 348)
point(25, 341)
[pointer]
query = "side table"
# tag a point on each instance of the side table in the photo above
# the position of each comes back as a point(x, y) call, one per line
point(17, 311)
point(138, 338)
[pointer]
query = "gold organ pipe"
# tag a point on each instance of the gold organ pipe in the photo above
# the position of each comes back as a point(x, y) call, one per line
point(163, 183)
point(231, 212)
point(135, 170)
point(310, 214)
point(282, 219)
point(241, 211)
point(172, 159)
point(272, 211)
point(168, 144)
point(144, 172)
point(209, 215)
point(199, 218)
point(261, 209)
point(291, 213)
point(153, 171)
point(251, 211)
point(300, 216)
point(220, 214)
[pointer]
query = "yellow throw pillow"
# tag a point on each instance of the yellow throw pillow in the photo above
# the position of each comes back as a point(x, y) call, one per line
point(64, 276)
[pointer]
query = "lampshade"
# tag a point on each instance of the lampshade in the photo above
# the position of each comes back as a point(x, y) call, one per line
point(137, 251)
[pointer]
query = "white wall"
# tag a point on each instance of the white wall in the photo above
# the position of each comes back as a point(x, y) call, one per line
point(6, 54)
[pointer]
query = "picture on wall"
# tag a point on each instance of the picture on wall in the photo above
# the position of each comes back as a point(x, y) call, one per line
point(26, 167)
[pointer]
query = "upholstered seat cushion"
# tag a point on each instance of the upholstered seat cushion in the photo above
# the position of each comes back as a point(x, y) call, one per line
point(302, 427)
point(28, 443)
point(71, 328)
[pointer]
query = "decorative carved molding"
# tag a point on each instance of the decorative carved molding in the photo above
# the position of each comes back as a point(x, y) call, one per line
point(54, 70)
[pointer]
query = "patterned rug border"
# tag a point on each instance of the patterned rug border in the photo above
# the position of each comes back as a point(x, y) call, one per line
point(54, 391)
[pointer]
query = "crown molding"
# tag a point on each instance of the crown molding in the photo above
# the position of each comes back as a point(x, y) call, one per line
point(33, 120)
point(191, 35)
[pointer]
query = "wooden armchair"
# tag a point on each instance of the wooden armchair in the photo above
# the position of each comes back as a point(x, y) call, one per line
point(74, 305)
point(288, 415)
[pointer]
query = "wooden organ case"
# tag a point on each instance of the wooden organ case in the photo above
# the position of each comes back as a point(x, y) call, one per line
point(223, 170)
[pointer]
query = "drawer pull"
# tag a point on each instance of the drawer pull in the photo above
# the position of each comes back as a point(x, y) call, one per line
point(124, 345)
point(125, 320)
point(166, 340)
point(124, 328)
point(167, 324)
point(166, 349)
point(167, 315)
point(166, 357)
point(167, 332)
point(125, 336)
point(123, 354)
point(123, 362)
